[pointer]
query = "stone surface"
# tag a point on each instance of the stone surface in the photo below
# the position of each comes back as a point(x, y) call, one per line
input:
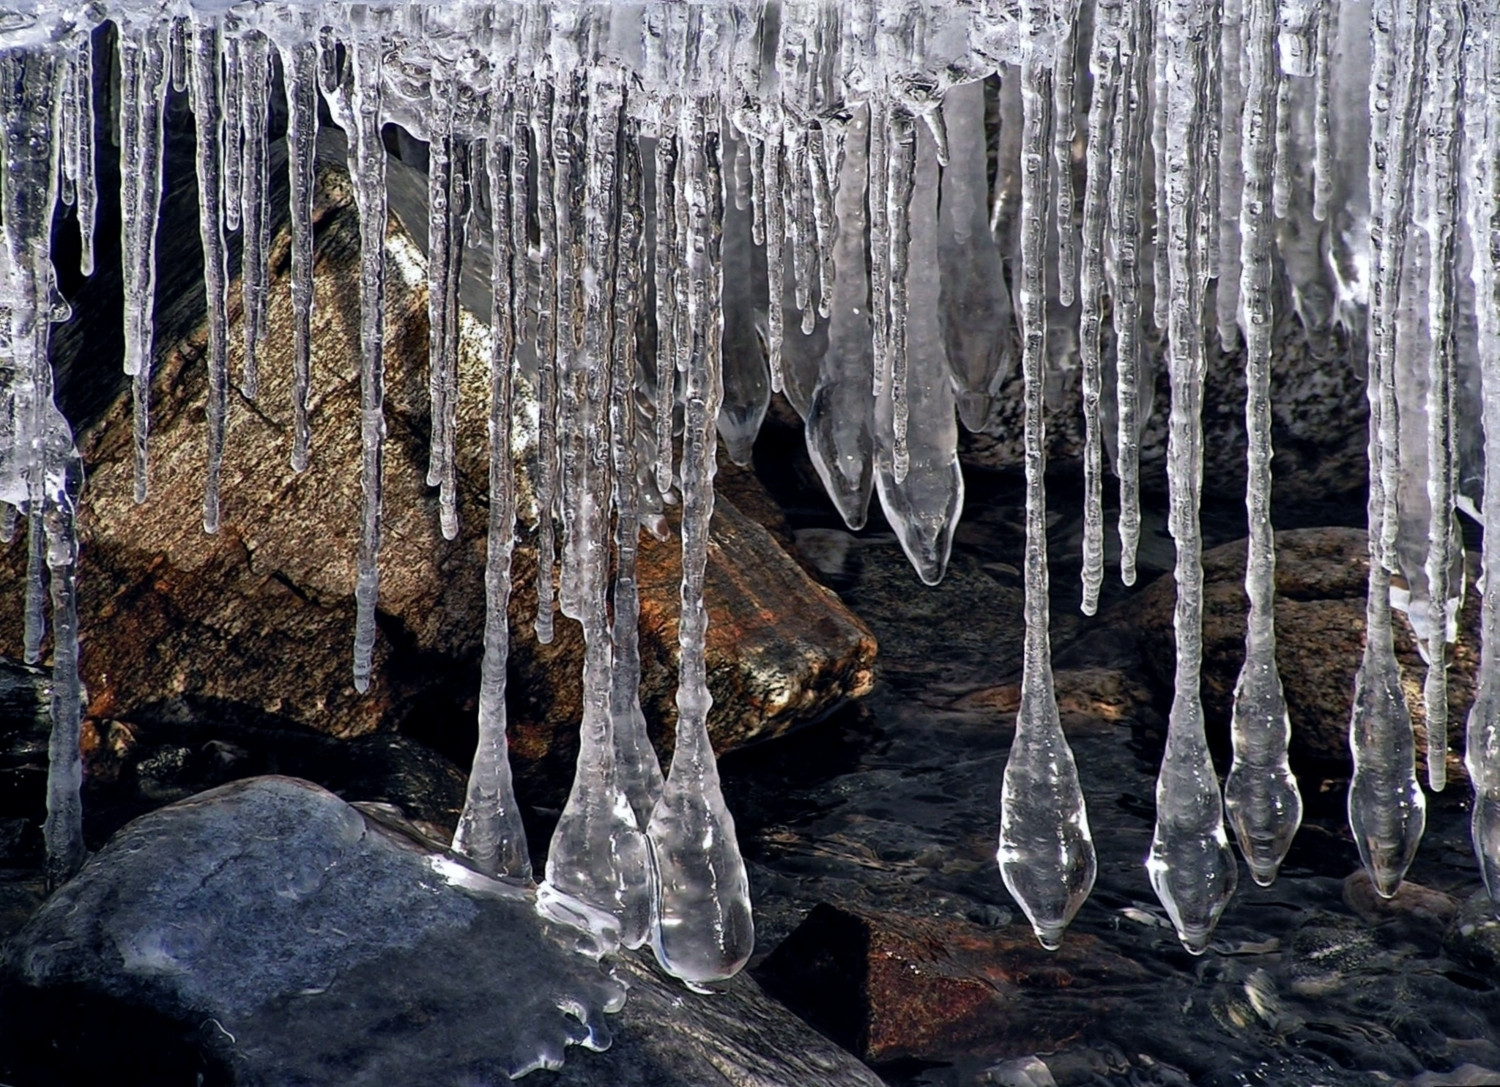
point(259, 619)
point(268, 933)
point(1318, 410)
point(1474, 936)
point(1320, 620)
point(889, 985)
point(1412, 901)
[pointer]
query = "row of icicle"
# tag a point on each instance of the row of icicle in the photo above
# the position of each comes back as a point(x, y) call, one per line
point(827, 225)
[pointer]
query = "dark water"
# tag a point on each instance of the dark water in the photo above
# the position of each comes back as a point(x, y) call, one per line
point(894, 806)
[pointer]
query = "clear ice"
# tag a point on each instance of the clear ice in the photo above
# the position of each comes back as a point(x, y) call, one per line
point(692, 206)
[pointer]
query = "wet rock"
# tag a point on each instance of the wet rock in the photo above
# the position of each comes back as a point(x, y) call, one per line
point(889, 986)
point(1474, 936)
point(1318, 409)
point(268, 933)
point(1087, 698)
point(1424, 905)
point(178, 624)
point(1320, 621)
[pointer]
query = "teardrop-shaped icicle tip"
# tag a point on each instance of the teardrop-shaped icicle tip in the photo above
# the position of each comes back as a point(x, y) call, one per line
point(1195, 940)
point(1049, 936)
point(1386, 882)
point(1263, 874)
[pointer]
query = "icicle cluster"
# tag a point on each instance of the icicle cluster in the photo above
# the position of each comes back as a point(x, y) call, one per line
point(805, 197)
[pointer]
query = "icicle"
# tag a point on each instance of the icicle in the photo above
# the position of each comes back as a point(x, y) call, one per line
point(230, 105)
point(1104, 66)
point(880, 246)
point(1191, 865)
point(901, 166)
point(1156, 56)
point(1063, 69)
point(1232, 61)
point(142, 86)
point(747, 385)
point(666, 259)
point(444, 253)
point(569, 153)
point(1393, 160)
point(255, 58)
point(818, 157)
point(178, 52)
point(1482, 744)
point(702, 929)
point(85, 183)
point(839, 427)
point(799, 231)
point(542, 131)
point(1046, 853)
point(489, 828)
point(1127, 145)
point(636, 766)
point(1260, 793)
point(63, 830)
point(211, 208)
point(1323, 170)
point(1281, 169)
point(299, 60)
point(776, 214)
point(598, 853)
point(1440, 180)
point(36, 588)
point(10, 518)
point(367, 167)
point(976, 307)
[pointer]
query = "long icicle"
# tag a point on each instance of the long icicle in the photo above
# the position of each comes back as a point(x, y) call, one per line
point(211, 214)
point(368, 169)
point(546, 362)
point(490, 832)
point(300, 64)
point(1260, 793)
point(702, 929)
point(255, 56)
point(1191, 865)
point(1046, 853)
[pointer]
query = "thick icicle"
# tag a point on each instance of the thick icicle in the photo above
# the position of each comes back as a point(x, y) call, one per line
point(367, 166)
point(211, 207)
point(840, 421)
point(666, 258)
point(636, 766)
point(775, 216)
point(976, 306)
point(1191, 864)
point(702, 929)
point(1104, 66)
point(747, 382)
point(923, 504)
point(86, 184)
point(489, 828)
point(598, 853)
point(1323, 170)
point(1046, 852)
point(1440, 155)
point(63, 830)
point(1260, 793)
point(231, 162)
point(300, 64)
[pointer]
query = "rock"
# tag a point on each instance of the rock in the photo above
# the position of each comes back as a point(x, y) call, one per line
point(888, 986)
point(1474, 936)
point(1320, 621)
point(177, 624)
point(1426, 906)
point(1087, 698)
point(1318, 409)
point(268, 933)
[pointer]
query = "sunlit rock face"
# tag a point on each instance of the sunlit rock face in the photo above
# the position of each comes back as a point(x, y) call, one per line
point(1166, 180)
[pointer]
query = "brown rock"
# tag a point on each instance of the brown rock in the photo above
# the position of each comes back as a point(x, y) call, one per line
point(259, 617)
point(888, 985)
point(1320, 629)
point(1411, 900)
point(1087, 698)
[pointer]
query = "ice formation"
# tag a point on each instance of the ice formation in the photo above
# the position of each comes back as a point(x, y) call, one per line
point(805, 196)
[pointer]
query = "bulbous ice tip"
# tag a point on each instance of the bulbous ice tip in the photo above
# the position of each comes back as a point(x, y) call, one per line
point(1262, 871)
point(1387, 881)
point(1195, 939)
point(1049, 935)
